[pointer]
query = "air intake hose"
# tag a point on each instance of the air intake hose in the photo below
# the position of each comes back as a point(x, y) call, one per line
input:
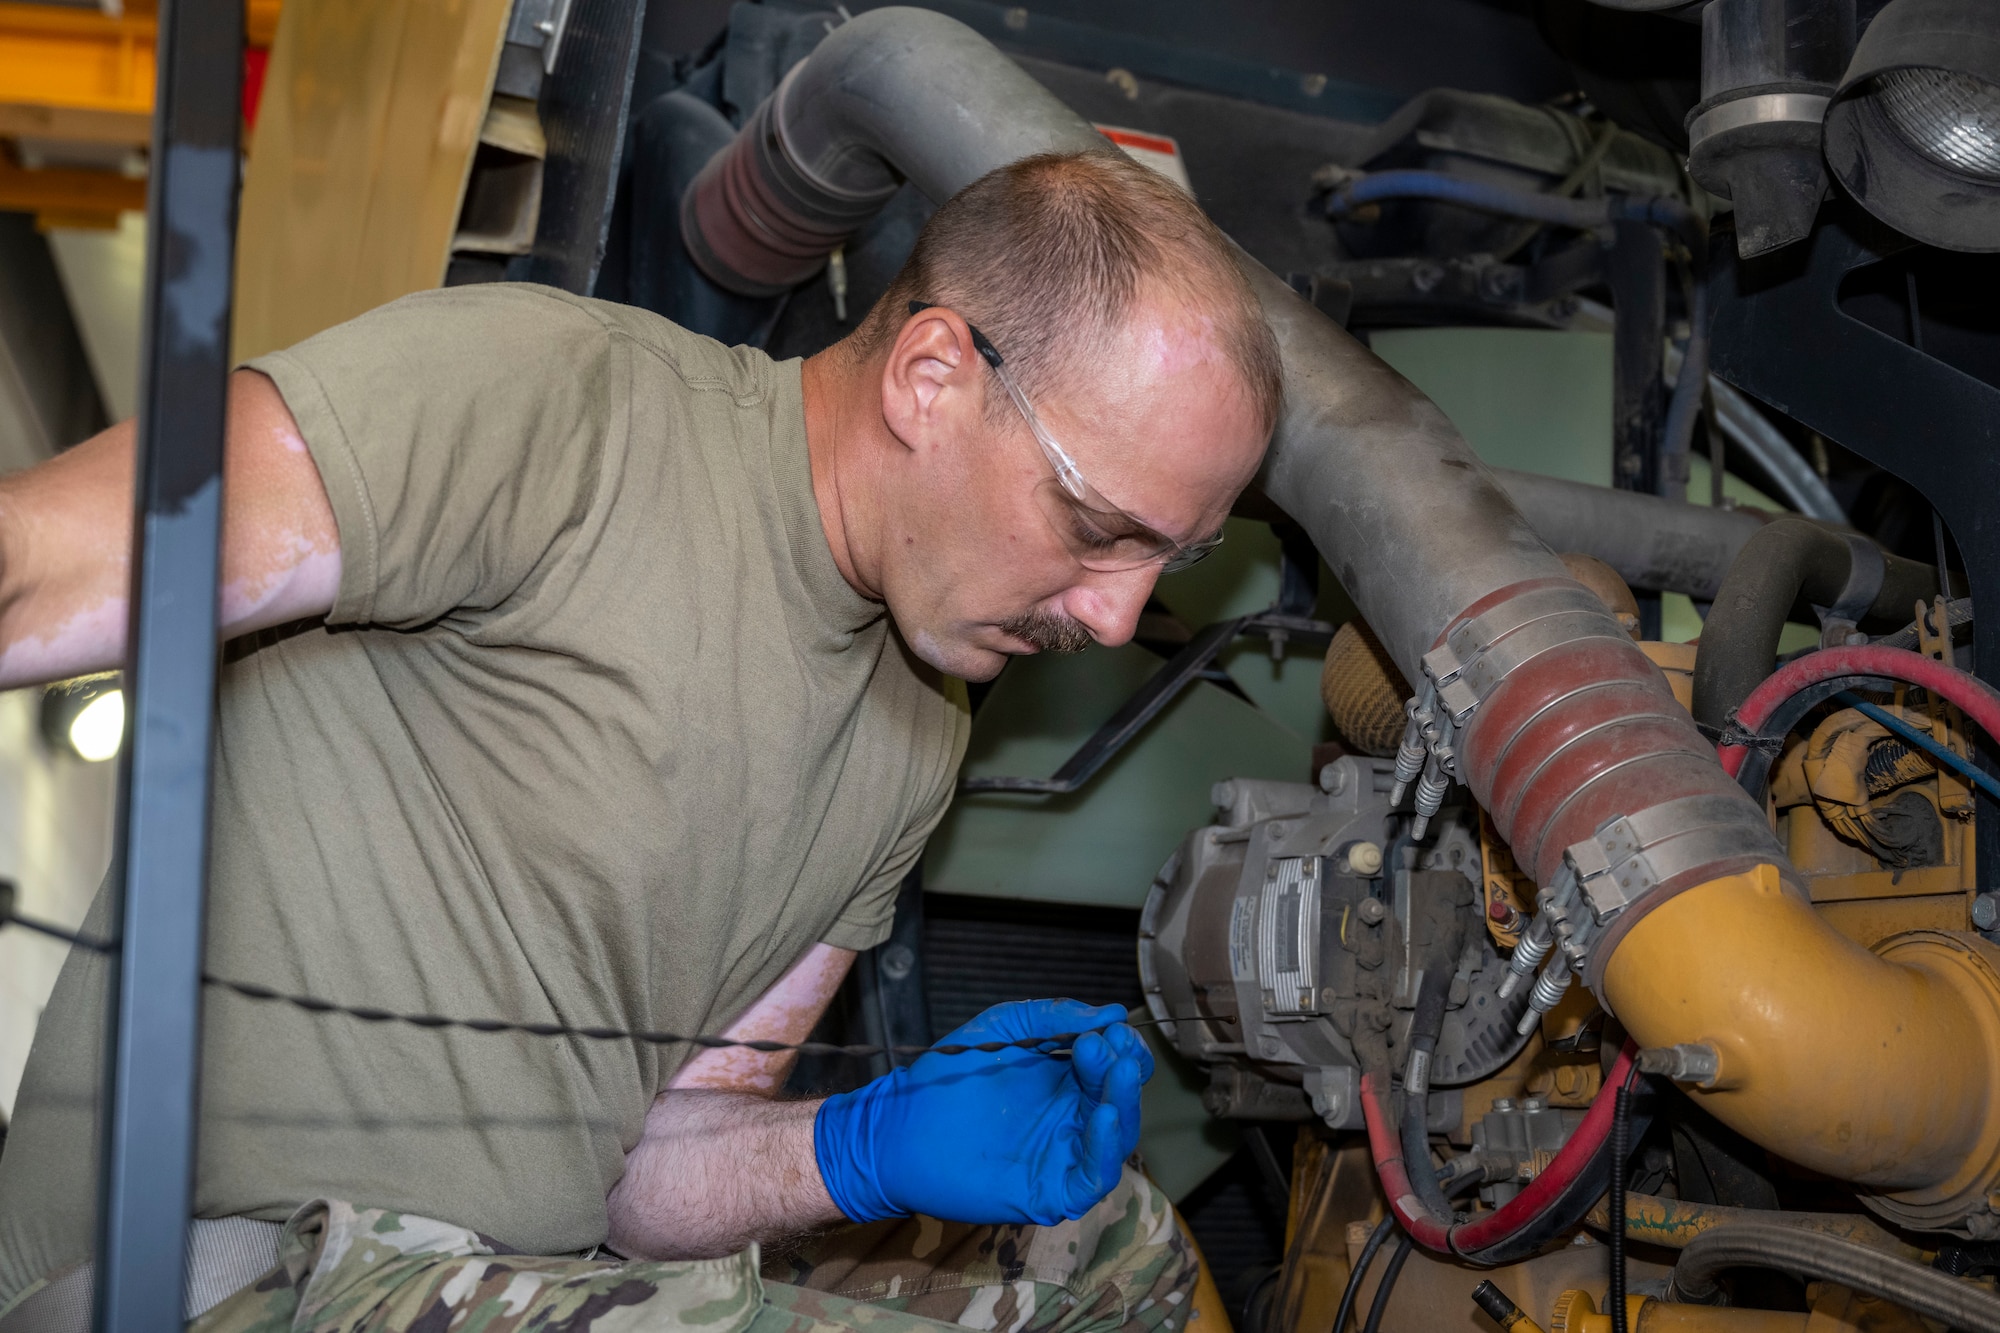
point(1541, 703)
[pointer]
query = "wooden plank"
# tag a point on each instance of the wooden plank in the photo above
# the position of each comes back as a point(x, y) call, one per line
point(371, 114)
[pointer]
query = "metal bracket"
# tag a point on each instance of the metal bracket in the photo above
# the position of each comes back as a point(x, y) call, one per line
point(1481, 652)
point(1866, 568)
point(539, 24)
point(1634, 854)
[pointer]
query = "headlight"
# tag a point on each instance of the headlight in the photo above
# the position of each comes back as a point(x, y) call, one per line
point(1913, 132)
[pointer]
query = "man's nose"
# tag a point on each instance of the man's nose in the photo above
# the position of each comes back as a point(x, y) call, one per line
point(1108, 604)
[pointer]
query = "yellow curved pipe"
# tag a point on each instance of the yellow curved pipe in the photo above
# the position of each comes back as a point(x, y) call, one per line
point(1881, 1068)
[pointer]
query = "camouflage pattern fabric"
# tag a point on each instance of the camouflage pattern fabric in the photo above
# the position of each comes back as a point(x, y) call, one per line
point(1125, 1264)
point(340, 1269)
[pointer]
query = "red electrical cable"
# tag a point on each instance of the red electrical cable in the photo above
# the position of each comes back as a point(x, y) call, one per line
point(1484, 1232)
point(1385, 1145)
point(1979, 700)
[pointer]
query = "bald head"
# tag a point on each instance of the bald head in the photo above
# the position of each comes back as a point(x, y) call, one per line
point(1149, 384)
point(1048, 255)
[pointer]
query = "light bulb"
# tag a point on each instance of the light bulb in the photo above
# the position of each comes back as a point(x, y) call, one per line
point(97, 730)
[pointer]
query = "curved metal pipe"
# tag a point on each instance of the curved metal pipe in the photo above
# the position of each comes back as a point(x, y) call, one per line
point(1654, 543)
point(1540, 703)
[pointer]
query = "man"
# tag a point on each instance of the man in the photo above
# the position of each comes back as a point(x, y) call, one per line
point(565, 689)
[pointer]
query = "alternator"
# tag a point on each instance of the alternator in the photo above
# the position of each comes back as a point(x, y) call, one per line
point(1283, 946)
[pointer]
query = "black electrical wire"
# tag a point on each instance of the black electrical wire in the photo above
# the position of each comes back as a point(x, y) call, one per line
point(1425, 1026)
point(1380, 1305)
point(1352, 1290)
point(1621, 1152)
point(314, 1004)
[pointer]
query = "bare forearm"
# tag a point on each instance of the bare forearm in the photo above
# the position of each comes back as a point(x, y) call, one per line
point(715, 1171)
point(66, 541)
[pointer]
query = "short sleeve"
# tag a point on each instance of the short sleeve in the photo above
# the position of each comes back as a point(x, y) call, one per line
point(459, 435)
point(866, 920)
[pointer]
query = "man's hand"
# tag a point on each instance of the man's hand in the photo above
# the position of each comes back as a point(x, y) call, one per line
point(1018, 1135)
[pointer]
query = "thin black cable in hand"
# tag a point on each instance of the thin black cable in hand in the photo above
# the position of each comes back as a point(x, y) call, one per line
point(314, 1004)
point(1352, 1291)
point(1380, 1305)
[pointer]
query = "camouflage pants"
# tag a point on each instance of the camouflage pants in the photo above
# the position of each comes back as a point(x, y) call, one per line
point(1123, 1265)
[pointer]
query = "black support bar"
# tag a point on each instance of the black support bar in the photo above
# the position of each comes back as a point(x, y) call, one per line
point(147, 1178)
point(1164, 686)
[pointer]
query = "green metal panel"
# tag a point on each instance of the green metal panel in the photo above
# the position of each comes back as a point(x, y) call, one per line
point(1102, 844)
point(1182, 1144)
point(1535, 400)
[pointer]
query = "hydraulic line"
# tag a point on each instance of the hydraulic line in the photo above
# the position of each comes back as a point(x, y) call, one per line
point(1349, 1292)
point(1775, 706)
point(1380, 1305)
point(1530, 205)
point(1910, 735)
point(1425, 1025)
point(1552, 1202)
point(1952, 1301)
point(1672, 1223)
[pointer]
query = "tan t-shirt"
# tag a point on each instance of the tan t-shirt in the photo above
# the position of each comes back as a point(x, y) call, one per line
point(596, 733)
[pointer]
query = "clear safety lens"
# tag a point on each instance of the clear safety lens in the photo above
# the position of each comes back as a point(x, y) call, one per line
point(1110, 540)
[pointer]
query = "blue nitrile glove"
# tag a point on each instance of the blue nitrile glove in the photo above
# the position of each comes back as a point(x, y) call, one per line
point(1017, 1135)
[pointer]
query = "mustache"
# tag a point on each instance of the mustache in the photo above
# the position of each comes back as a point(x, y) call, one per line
point(1048, 632)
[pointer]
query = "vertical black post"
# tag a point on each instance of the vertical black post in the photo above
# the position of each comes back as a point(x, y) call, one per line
point(1637, 275)
point(149, 1144)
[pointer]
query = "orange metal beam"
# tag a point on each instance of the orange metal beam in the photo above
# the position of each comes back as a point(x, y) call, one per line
point(67, 196)
point(86, 77)
point(81, 75)
point(74, 74)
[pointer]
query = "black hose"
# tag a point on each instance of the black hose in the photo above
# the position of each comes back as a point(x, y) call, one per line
point(1755, 773)
point(1786, 568)
point(1353, 1287)
point(1677, 436)
point(1621, 1153)
point(1425, 1025)
point(1949, 1300)
point(1389, 1276)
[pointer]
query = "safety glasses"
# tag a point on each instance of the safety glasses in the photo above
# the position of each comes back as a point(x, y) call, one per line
point(1097, 533)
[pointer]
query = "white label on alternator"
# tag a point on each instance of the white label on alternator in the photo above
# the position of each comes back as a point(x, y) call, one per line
point(1288, 935)
point(1243, 939)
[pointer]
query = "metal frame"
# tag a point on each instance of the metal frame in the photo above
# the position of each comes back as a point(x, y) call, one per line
point(1779, 334)
point(147, 1176)
point(1179, 672)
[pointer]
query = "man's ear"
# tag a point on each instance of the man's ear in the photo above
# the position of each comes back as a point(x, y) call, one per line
point(932, 368)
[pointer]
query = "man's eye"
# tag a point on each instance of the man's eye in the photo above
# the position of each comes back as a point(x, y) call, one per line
point(1091, 537)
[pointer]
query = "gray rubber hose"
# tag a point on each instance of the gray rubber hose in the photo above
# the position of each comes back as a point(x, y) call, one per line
point(1953, 1301)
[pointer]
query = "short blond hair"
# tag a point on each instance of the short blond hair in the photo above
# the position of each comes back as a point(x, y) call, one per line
point(1045, 256)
